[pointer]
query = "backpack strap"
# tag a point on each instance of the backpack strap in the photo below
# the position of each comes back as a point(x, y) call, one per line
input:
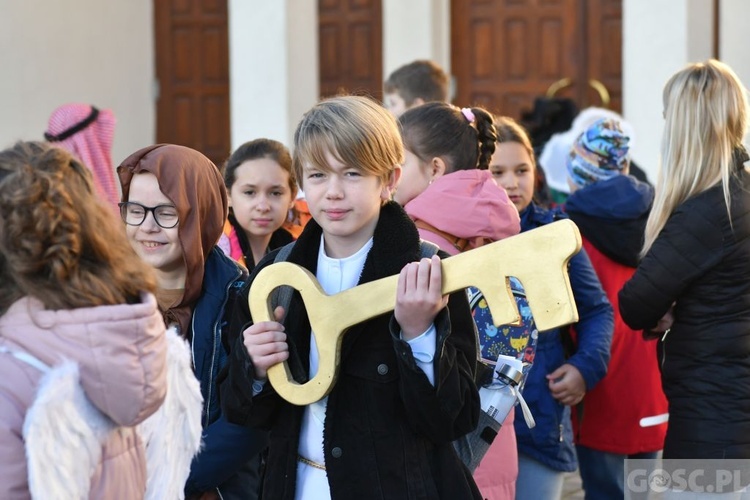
point(282, 296)
point(26, 358)
point(427, 249)
point(284, 252)
point(459, 244)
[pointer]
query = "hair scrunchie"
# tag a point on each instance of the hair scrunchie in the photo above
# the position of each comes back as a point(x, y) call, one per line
point(468, 114)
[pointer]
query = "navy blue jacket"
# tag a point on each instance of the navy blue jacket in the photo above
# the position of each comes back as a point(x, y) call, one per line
point(551, 441)
point(612, 214)
point(228, 449)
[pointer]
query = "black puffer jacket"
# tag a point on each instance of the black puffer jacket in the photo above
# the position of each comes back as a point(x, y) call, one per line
point(388, 432)
point(701, 263)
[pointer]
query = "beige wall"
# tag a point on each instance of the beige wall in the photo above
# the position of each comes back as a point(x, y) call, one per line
point(651, 54)
point(273, 67)
point(733, 19)
point(733, 37)
point(417, 29)
point(274, 57)
point(659, 38)
point(92, 51)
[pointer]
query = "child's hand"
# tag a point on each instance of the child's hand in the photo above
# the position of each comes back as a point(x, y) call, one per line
point(567, 385)
point(266, 344)
point(419, 297)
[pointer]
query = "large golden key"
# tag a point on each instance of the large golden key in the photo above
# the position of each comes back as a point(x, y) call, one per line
point(538, 258)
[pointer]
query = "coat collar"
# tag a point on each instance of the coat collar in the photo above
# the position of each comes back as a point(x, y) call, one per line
point(395, 244)
point(535, 215)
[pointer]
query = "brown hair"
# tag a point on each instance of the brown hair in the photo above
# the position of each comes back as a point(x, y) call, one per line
point(508, 130)
point(58, 242)
point(421, 79)
point(255, 150)
point(439, 129)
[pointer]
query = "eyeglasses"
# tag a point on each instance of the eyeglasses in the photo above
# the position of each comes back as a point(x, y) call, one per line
point(134, 214)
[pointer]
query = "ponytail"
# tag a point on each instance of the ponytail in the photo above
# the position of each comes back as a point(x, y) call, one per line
point(463, 138)
point(486, 136)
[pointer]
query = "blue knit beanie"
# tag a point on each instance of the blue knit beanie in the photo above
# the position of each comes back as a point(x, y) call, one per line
point(600, 152)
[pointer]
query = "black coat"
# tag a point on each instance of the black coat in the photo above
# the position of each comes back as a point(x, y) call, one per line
point(391, 429)
point(701, 263)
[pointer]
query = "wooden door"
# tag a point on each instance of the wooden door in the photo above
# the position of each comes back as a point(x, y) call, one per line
point(192, 68)
point(505, 53)
point(603, 52)
point(350, 38)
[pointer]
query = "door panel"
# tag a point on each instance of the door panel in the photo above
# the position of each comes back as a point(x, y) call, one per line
point(604, 53)
point(192, 67)
point(505, 53)
point(350, 43)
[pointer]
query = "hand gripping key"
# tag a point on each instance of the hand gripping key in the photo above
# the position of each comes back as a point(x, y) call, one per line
point(538, 258)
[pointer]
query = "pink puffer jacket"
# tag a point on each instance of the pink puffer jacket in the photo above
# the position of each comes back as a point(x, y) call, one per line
point(468, 204)
point(121, 356)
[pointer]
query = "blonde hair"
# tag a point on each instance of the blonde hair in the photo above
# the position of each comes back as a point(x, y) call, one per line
point(355, 130)
point(59, 242)
point(705, 111)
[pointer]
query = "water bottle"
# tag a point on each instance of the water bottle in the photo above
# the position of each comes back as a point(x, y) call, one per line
point(499, 397)
point(497, 400)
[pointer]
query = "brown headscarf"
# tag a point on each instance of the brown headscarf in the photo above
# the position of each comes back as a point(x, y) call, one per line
point(195, 186)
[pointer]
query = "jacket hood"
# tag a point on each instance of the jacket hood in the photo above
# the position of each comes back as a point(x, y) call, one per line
point(612, 216)
point(620, 198)
point(120, 350)
point(194, 184)
point(466, 204)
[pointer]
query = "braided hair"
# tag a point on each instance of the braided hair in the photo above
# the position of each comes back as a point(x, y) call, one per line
point(464, 138)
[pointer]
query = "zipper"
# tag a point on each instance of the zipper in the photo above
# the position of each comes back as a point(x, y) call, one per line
point(664, 347)
point(213, 354)
point(204, 419)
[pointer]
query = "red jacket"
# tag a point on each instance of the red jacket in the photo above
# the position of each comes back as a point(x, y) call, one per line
point(631, 390)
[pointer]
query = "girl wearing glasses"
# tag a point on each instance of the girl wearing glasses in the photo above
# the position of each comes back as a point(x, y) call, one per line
point(174, 208)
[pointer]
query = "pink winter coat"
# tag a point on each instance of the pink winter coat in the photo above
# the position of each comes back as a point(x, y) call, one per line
point(468, 204)
point(121, 355)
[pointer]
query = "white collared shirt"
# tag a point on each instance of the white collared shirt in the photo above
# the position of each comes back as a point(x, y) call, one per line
point(334, 276)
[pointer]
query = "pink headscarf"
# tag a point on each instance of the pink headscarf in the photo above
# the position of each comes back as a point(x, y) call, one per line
point(87, 133)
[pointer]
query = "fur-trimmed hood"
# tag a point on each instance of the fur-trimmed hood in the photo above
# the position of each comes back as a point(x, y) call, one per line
point(60, 444)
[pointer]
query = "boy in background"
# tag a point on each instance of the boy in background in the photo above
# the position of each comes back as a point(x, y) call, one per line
point(413, 84)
